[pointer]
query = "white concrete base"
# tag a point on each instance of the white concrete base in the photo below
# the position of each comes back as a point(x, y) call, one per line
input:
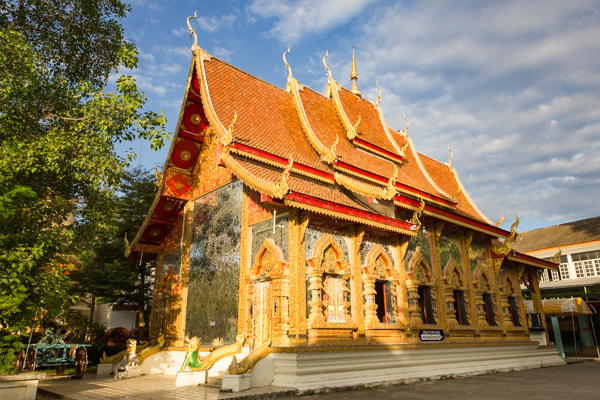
point(128, 372)
point(20, 387)
point(321, 371)
point(163, 362)
point(236, 383)
point(190, 378)
point(104, 369)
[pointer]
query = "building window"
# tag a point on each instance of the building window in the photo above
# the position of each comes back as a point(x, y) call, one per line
point(461, 307)
point(555, 275)
point(426, 304)
point(514, 311)
point(545, 277)
point(334, 298)
point(586, 264)
point(564, 271)
point(488, 304)
point(383, 299)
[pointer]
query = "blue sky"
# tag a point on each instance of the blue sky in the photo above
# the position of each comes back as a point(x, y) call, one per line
point(513, 87)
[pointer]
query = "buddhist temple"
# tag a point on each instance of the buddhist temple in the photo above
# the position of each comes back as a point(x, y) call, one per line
point(300, 241)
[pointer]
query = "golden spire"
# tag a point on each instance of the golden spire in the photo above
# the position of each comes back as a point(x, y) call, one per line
point(354, 76)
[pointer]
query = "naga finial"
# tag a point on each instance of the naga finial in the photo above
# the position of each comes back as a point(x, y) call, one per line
point(500, 221)
point(354, 76)
point(226, 136)
point(378, 96)
point(325, 64)
point(449, 163)
point(418, 212)
point(282, 187)
point(390, 190)
point(355, 127)
point(505, 248)
point(195, 45)
point(556, 258)
point(513, 230)
point(285, 61)
point(404, 132)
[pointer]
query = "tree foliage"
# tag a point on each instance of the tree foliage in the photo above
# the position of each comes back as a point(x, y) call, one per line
point(105, 272)
point(63, 108)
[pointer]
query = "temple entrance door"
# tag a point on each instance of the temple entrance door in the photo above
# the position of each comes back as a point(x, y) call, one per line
point(261, 321)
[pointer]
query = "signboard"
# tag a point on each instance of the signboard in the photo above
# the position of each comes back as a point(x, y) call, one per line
point(431, 335)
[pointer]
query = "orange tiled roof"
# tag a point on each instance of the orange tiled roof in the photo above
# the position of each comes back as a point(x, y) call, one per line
point(273, 125)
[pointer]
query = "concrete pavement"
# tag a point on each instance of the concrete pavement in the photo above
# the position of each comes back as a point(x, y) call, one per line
point(578, 381)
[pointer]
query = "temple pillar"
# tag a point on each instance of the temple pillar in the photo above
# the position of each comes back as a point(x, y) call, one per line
point(465, 246)
point(179, 301)
point(356, 290)
point(436, 231)
point(155, 311)
point(369, 304)
point(414, 311)
point(398, 252)
point(297, 275)
point(450, 309)
point(243, 320)
point(316, 302)
point(480, 307)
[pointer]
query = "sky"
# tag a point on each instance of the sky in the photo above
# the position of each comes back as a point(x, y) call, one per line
point(511, 87)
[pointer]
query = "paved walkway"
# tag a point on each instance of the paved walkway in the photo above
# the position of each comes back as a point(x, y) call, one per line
point(145, 388)
point(577, 381)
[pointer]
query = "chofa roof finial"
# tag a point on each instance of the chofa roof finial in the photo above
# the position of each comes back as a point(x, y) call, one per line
point(354, 76)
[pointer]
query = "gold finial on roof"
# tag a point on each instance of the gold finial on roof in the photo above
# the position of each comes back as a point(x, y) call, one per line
point(449, 163)
point(195, 45)
point(354, 76)
point(285, 61)
point(556, 258)
point(325, 64)
point(379, 95)
point(500, 221)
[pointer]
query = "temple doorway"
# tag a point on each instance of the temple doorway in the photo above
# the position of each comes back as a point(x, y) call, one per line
point(262, 315)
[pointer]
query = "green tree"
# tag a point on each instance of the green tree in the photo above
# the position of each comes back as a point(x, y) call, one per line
point(105, 272)
point(64, 106)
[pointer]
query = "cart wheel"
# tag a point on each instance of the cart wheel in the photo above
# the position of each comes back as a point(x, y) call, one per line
point(29, 364)
point(80, 362)
point(19, 361)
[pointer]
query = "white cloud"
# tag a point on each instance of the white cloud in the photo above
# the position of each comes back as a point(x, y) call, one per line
point(215, 23)
point(296, 19)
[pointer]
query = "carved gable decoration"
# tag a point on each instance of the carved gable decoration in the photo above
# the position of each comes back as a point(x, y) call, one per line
point(378, 263)
point(269, 261)
point(481, 279)
point(328, 257)
point(419, 269)
point(452, 275)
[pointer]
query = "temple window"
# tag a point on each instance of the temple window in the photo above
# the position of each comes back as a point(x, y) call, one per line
point(488, 304)
point(334, 298)
point(384, 301)
point(426, 304)
point(514, 310)
point(460, 306)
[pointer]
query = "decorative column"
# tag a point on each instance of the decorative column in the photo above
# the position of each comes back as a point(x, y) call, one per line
point(155, 313)
point(297, 275)
point(399, 247)
point(480, 307)
point(414, 311)
point(356, 279)
point(184, 271)
point(369, 296)
point(436, 231)
point(243, 320)
point(450, 310)
point(465, 244)
point(316, 302)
